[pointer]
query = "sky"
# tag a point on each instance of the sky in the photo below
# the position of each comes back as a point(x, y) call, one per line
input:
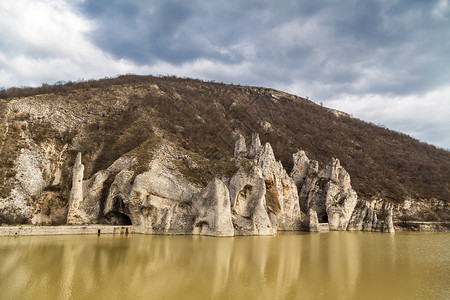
point(385, 61)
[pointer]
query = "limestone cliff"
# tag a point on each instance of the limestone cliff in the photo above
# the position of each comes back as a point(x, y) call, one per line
point(327, 197)
point(260, 198)
point(158, 153)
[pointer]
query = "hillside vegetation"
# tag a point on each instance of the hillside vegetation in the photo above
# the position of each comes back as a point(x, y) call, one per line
point(206, 117)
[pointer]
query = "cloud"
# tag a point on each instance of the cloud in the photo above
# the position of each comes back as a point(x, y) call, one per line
point(356, 47)
point(348, 54)
point(424, 117)
point(45, 41)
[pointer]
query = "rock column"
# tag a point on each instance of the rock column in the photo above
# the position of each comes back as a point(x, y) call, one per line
point(76, 194)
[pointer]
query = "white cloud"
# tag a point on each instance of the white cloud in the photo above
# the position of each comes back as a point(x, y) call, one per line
point(424, 117)
point(441, 9)
point(46, 41)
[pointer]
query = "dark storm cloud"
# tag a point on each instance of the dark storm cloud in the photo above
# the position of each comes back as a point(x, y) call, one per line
point(391, 47)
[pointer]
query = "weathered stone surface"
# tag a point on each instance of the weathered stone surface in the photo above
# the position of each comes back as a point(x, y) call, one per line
point(115, 211)
point(307, 185)
point(281, 191)
point(212, 210)
point(155, 197)
point(240, 148)
point(361, 213)
point(248, 203)
point(425, 210)
point(328, 192)
point(260, 199)
point(365, 217)
point(255, 146)
point(33, 172)
point(300, 169)
point(312, 221)
point(388, 223)
point(75, 214)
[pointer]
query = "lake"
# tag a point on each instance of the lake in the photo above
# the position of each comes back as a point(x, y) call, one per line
point(329, 265)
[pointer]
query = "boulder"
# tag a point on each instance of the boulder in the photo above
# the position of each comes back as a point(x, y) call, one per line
point(160, 200)
point(212, 211)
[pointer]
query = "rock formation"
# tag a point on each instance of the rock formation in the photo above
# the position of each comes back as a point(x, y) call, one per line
point(118, 124)
point(365, 217)
point(240, 147)
point(281, 191)
point(326, 196)
point(212, 211)
point(259, 199)
point(248, 202)
point(75, 214)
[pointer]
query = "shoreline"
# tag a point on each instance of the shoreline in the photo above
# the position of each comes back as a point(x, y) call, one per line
point(98, 229)
point(422, 226)
point(32, 230)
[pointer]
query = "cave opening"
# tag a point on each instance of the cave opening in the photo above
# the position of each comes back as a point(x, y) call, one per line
point(117, 218)
point(324, 218)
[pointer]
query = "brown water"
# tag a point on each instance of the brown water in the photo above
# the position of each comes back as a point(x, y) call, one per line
point(334, 265)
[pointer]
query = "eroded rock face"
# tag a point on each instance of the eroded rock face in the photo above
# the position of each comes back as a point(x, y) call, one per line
point(259, 199)
point(35, 169)
point(300, 169)
point(340, 197)
point(255, 146)
point(365, 217)
point(281, 191)
point(312, 221)
point(213, 211)
point(160, 200)
point(248, 203)
point(76, 215)
point(240, 147)
point(328, 192)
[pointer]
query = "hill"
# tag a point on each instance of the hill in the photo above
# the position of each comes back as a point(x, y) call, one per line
point(105, 119)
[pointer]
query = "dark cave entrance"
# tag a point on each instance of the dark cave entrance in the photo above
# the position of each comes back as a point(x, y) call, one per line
point(116, 218)
point(124, 219)
point(118, 214)
point(324, 218)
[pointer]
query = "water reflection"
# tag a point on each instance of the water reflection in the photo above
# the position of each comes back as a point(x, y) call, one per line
point(320, 265)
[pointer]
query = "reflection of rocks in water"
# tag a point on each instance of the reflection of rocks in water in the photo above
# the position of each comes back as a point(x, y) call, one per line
point(293, 266)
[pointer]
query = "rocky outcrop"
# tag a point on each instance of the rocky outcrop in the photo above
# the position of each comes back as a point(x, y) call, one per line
point(240, 147)
point(259, 199)
point(340, 197)
point(281, 191)
point(328, 192)
point(255, 146)
point(160, 200)
point(328, 198)
point(76, 215)
point(366, 218)
point(248, 203)
point(212, 211)
point(300, 169)
point(149, 190)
